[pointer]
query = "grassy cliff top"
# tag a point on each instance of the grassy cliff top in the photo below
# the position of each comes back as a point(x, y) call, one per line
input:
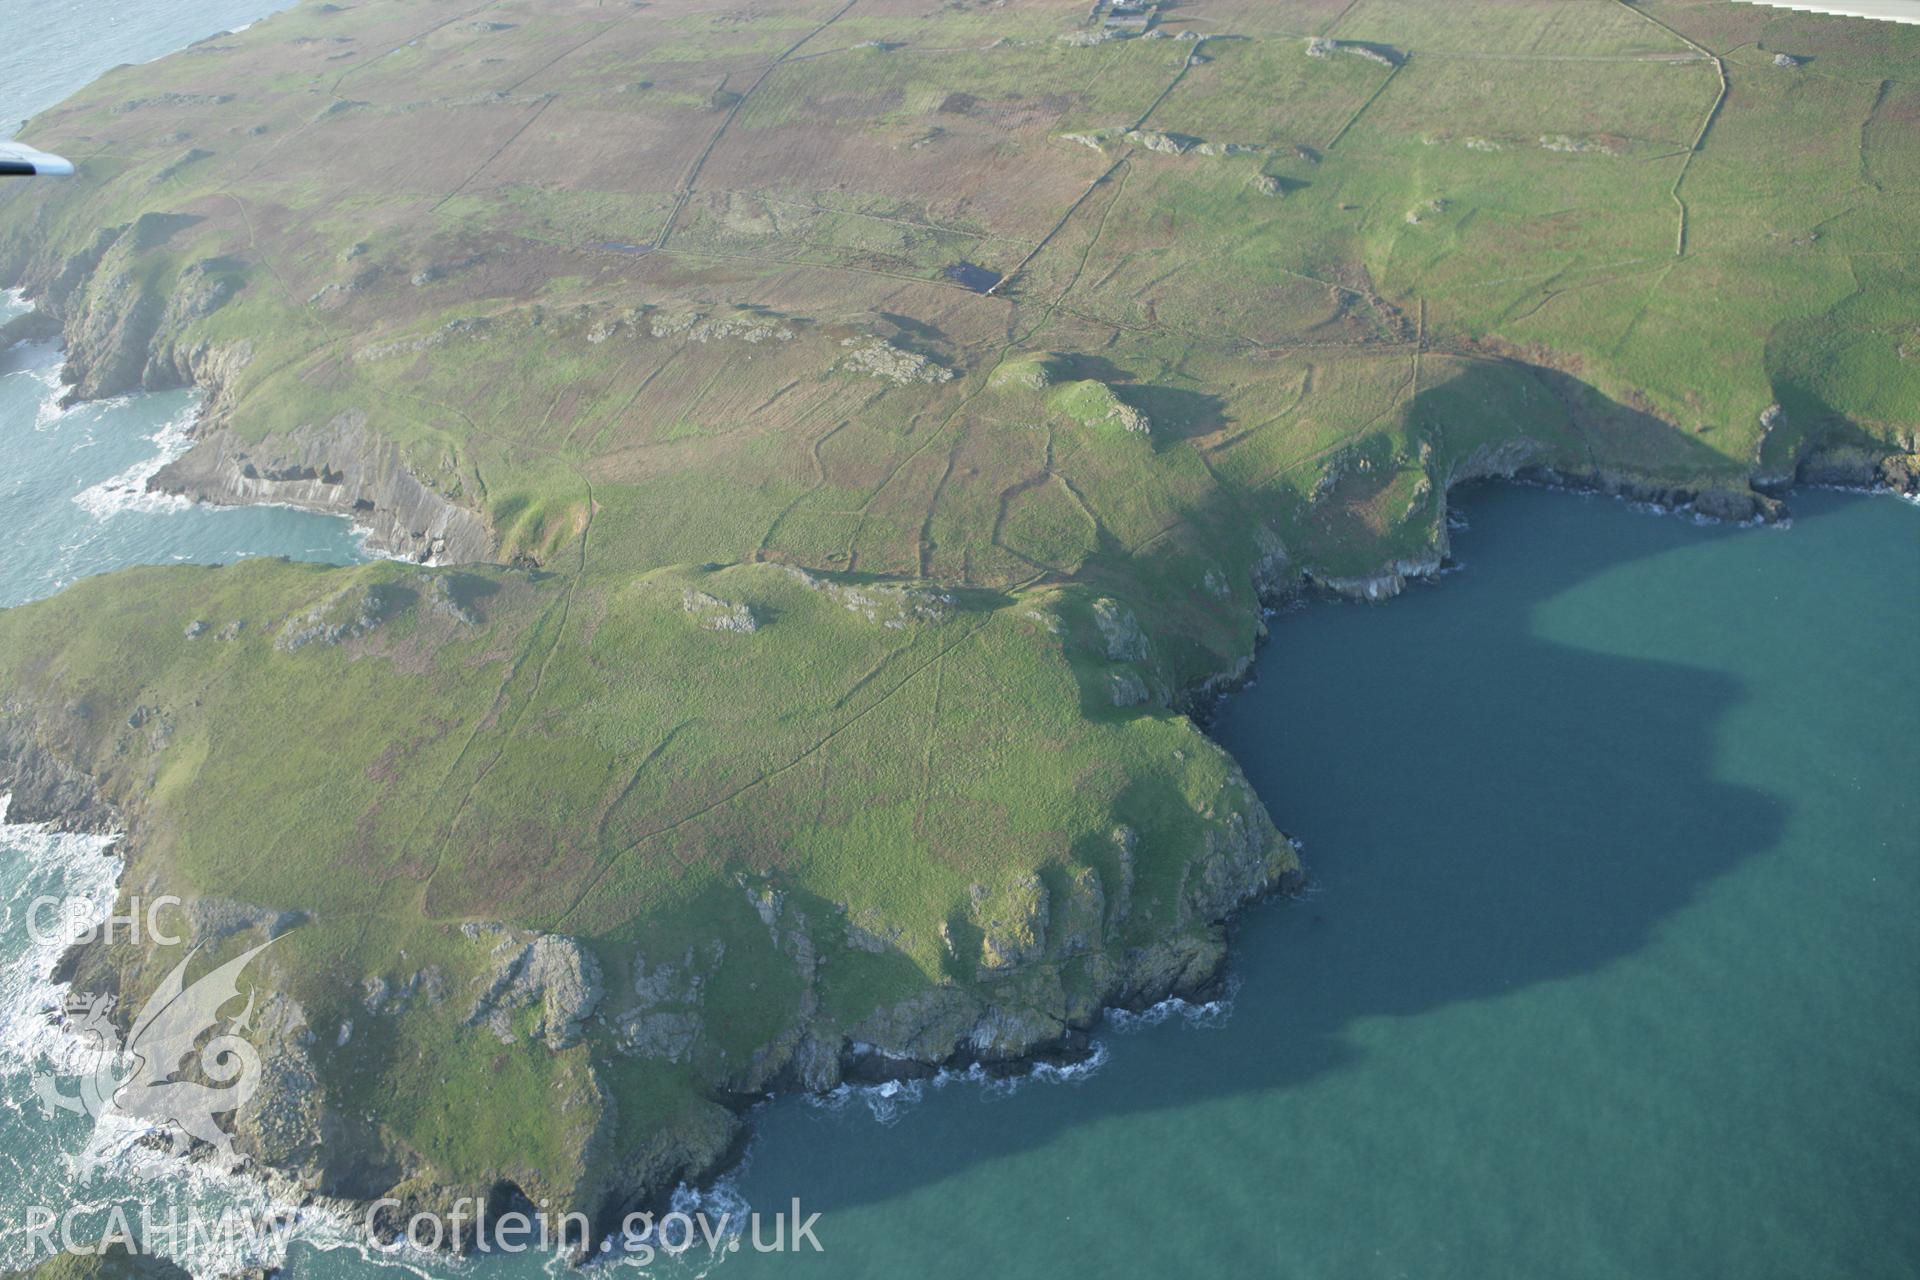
point(892, 413)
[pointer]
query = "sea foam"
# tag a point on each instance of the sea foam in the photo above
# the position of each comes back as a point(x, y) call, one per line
point(128, 491)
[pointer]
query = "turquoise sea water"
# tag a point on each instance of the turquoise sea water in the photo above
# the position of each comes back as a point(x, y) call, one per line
point(72, 488)
point(1610, 967)
point(50, 48)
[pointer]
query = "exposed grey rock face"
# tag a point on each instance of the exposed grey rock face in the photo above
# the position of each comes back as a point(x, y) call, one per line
point(744, 326)
point(1387, 583)
point(29, 326)
point(1012, 1032)
point(1496, 461)
point(1858, 468)
point(344, 469)
point(1127, 688)
point(346, 616)
point(1731, 505)
point(428, 985)
point(1172, 144)
point(118, 326)
point(283, 1122)
point(173, 100)
point(666, 1019)
point(889, 604)
point(1126, 642)
point(670, 1036)
point(1012, 923)
point(1178, 965)
point(551, 973)
point(215, 919)
point(816, 1063)
point(1238, 864)
point(108, 347)
point(879, 358)
point(716, 614)
point(1082, 915)
point(333, 295)
point(867, 932)
point(203, 288)
point(1120, 896)
point(1027, 1009)
point(923, 1028)
point(443, 600)
point(43, 786)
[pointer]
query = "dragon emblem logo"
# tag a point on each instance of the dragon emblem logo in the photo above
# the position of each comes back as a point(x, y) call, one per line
point(142, 1078)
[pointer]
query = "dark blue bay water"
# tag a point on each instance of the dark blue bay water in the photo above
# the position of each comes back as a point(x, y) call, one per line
point(1611, 966)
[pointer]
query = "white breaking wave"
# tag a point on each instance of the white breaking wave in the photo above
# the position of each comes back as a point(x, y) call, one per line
point(890, 1100)
point(128, 490)
point(129, 1179)
point(41, 362)
point(36, 861)
point(1206, 1015)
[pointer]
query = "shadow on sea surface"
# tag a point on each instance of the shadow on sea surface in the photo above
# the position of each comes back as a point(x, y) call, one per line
point(1483, 808)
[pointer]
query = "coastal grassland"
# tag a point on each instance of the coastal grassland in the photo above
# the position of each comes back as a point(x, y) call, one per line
point(926, 138)
point(1508, 28)
point(829, 686)
point(590, 756)
point(1267, 93)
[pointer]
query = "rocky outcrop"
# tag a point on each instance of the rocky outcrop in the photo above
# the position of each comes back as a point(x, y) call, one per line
point(1050, 962)
point(215, 919)
point(124, 328)
point(110, 340)
point(28, 326)
point(878, 358)
point(1012, 924)
point(1389, 582)
point(1392, 578)
point(1716, 501)
point(550, 975)
point(666, 1018)
point(1125, 641)
point(716, 614)
point(283, 1122)
point(1859, 467)
point(344, 469)
point(346, 615)
point(43, 786)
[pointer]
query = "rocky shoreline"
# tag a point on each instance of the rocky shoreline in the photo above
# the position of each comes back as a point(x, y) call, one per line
point(1765, 502)
point(344, 468)
point(945, 1029)
point(121, 335)
point(118, 342)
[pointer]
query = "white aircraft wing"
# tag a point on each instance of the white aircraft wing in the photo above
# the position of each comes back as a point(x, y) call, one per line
point(19, 160)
